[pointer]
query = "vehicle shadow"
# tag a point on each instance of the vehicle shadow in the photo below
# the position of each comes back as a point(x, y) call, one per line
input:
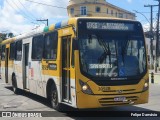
point(32, 96)
point(39, 99)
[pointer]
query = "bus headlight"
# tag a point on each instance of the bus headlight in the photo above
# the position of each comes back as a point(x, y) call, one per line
point(85, 88)
point(146, 85)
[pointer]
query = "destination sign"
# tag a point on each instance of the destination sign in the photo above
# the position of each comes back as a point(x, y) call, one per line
point(110, 26)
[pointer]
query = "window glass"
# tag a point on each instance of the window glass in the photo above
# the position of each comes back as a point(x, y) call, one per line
point(102, 54)
point(3, 52)
point(112, 12)
point(98, 9)
point(136, 50)
point(51, 40)
point(12, 51)
point(37, 47)
point(83, 10)
point(113, 56)
point(107, 11)
point(120, 15)
point(126, 16)
point(116, 14)
point(18, 50)
point(72, 10)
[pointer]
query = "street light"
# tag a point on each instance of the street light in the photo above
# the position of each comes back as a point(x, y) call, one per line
point(142, 15)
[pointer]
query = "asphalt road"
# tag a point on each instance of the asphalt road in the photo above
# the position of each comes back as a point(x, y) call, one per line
point(30, 102)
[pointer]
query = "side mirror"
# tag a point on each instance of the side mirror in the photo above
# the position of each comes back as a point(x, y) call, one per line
point(75, 45)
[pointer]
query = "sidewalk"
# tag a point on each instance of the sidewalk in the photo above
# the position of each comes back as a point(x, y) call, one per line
point(156, 77)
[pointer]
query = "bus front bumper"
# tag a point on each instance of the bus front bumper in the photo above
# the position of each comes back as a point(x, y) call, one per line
point(98, 101)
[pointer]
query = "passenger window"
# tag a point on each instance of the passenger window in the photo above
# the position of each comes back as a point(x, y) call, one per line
point(37, 47)
point(50, 49)
point(12, 51)
point(3, 52)
point(18, 55)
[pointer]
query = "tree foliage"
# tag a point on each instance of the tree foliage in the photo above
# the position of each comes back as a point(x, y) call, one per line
point(4, 36)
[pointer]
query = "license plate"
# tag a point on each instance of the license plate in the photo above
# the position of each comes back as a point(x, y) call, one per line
point(119, 98)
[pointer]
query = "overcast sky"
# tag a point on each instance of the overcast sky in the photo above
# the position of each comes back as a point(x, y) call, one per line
point(19, 16)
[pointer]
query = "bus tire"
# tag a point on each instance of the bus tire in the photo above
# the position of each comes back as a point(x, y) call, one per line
point(53, 96)
point(14, 84)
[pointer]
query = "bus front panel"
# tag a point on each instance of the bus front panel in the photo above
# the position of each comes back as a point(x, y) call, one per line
point(112, 63)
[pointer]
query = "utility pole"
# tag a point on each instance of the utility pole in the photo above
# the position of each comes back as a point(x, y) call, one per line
point(44, 20)
point(157, 38)
point(151, 34)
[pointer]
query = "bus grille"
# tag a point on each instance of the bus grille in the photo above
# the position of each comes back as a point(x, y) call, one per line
point(111, 102)
point(115, 91)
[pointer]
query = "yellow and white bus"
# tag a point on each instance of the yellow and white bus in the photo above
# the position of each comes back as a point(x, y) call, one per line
point(81, 62)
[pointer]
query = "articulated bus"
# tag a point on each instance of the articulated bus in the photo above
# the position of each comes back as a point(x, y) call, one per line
point(82, 62)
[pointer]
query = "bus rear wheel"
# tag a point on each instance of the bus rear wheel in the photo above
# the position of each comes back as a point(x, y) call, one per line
point(14, 84)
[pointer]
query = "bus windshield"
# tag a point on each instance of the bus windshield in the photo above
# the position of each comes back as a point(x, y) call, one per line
point(112, 53)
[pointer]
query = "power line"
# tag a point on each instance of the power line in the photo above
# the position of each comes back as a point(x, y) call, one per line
point(22, 11)
point(28, 11)
point(149, 12)
point(16, 10)
point(45, 4)
point(142, 15)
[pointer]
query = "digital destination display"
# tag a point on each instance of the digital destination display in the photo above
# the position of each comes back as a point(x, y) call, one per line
point(110, 26)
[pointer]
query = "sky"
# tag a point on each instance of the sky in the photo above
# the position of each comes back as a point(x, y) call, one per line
point(19, 16)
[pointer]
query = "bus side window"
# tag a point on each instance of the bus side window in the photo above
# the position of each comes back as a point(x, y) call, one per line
point(3, 52)
point(12, 51)
point(50, 45)
point(37, 47)
point(18, 54)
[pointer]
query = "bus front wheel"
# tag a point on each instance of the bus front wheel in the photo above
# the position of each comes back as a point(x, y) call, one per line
point(54, 98)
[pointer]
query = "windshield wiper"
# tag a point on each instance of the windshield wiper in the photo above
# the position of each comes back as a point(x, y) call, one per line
point(106, 50)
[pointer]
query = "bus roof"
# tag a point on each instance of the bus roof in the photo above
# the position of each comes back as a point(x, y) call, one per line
point(40, 30)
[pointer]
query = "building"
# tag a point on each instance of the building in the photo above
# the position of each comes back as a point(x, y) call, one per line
point(91, 8)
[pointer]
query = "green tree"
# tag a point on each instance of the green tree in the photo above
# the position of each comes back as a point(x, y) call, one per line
point(10, 35)
point(3, 36)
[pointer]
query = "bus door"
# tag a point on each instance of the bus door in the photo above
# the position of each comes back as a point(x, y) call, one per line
point(66, 90)
point(6, 65)
point(25, 65)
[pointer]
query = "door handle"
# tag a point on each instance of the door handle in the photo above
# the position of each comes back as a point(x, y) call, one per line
point(66, 68)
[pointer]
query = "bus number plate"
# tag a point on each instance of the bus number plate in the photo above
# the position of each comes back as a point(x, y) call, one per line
point(119, 98)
